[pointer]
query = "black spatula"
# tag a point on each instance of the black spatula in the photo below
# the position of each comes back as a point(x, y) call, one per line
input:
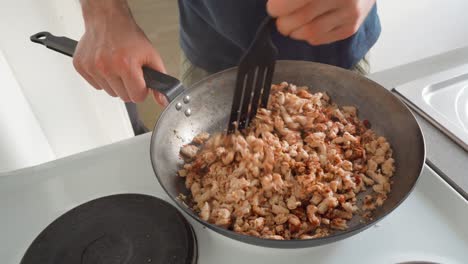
point(254, 77)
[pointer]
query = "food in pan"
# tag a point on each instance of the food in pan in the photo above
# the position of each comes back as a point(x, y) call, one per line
point(295, 173)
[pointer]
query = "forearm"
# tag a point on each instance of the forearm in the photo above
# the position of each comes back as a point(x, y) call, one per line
point(103, 10)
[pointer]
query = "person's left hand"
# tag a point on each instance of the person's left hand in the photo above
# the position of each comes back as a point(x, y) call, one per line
point(319, 21)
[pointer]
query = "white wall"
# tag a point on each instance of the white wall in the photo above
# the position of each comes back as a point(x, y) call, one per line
point(414, 29)
point(18, 124)
point(42, 92)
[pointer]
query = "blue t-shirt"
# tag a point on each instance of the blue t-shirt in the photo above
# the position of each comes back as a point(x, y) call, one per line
point(215, 33)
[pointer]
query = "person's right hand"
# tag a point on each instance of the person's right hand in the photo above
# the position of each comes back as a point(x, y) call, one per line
point(113, 50)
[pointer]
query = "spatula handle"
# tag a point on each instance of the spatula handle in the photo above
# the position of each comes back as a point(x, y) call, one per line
point(163, 83)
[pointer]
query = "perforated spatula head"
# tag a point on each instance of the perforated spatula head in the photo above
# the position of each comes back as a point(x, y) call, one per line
point(254, 77)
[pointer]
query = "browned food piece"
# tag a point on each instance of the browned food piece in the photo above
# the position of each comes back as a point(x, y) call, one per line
point(189, 151)
point(295, 173)
point(201, 138)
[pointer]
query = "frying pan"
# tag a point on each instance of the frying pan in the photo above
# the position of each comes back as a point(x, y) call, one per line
point(205, 107)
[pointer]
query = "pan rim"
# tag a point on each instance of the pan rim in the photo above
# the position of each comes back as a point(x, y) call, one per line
point(294, 243)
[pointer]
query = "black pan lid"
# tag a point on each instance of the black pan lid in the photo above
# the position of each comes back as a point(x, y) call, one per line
point(117, 229)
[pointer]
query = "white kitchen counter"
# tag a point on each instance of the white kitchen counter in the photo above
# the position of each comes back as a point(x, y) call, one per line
point(430, 225)
point(424, 227)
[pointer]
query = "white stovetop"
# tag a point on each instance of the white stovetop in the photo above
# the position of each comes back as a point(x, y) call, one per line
point(443, 97)
point(430, 225)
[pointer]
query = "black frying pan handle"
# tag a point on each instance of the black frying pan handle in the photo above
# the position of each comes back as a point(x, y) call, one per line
point(163, 83)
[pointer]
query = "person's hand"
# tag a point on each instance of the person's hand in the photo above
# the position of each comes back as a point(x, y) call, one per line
point(319, 21)
point(112, 51)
